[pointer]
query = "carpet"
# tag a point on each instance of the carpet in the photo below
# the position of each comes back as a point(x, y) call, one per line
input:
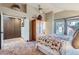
point(18, 46)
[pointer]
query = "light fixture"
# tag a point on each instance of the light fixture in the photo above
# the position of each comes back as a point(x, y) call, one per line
point(39, 17)
point(40, 9)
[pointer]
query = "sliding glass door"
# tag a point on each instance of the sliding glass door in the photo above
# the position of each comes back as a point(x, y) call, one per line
point(66, 26)
point(72, 25)
point(59, 27)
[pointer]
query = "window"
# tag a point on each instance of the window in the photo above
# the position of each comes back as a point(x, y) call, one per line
point(71, 26)
point(66, 26)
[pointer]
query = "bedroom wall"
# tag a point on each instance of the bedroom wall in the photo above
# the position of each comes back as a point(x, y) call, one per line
point(50, 23)
point(66, 13)
point(25, 30)
point(31, 11)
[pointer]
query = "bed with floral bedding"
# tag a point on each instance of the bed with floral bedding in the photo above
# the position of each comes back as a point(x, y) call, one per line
point(52, 44)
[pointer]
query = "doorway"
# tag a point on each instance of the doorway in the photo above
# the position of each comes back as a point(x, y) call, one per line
point(12, 27)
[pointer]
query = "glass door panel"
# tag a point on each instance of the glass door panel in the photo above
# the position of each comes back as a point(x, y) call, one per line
point(59, 27)
point(72, 25)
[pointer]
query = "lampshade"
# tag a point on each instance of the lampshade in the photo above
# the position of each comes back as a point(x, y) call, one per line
point(75, 41)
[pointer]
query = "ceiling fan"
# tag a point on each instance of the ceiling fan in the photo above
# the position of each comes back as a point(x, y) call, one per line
point(41, 13)
point(41, 10)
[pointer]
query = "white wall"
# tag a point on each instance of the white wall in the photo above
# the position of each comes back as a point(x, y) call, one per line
point(50, 23)
point(25, 30)
point(66, 13)
point(31, 11)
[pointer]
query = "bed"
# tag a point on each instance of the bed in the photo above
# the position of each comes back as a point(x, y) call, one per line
point(52, 44)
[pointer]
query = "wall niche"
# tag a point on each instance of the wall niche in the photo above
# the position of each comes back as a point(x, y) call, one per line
point(18, 6)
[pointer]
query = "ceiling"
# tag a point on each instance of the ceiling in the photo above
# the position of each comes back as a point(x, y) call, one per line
point(22, 5)
point(56, 7)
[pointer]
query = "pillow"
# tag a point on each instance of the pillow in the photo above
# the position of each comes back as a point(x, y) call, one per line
point(56, 45)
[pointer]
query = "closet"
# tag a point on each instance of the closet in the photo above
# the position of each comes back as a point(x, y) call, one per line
point(12, 27)
point(38, 28)
point(34, 23)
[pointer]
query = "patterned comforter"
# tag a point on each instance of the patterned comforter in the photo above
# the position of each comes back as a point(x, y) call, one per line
point(55, 43)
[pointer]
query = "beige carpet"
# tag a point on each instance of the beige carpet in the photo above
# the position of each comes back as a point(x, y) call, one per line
point(19, 47)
